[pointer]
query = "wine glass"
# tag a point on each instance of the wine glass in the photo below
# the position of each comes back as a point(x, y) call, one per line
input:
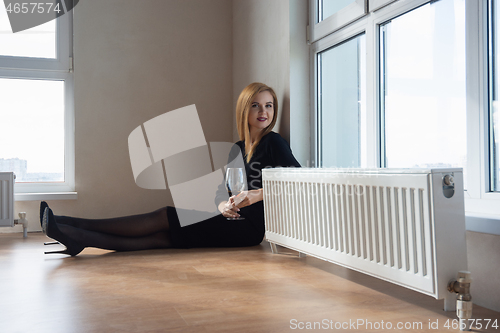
point(235, 184)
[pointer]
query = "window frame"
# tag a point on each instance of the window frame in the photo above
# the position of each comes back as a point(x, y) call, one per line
point(342, 18)
point(481, 200)
point(64, 47)
point(478, 200)
point(60, 68)
point(377, 4)
point(321, 46)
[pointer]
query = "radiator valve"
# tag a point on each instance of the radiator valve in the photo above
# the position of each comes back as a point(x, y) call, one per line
point(22, 220)
point(448, 186)
point(461, 286)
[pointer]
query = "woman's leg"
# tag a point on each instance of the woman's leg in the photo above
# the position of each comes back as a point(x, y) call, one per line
point(127, 226)
point(86, 238)
point(76, 239)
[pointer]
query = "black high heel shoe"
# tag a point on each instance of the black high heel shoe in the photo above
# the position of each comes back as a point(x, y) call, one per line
point(44, 205)
point(50, 228)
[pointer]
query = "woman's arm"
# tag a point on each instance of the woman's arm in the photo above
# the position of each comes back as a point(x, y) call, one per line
point(248, 198)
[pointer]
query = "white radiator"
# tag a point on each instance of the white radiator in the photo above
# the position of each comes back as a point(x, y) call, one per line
point(6, 199)
point(406, 226)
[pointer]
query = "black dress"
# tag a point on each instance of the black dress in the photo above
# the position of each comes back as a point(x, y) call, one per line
point(272, 151)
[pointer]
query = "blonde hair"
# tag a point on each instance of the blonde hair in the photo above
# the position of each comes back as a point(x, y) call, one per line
point(242, 109)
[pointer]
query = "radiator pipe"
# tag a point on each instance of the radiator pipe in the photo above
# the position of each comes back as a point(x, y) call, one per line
point(22, 220)
point(461, 286)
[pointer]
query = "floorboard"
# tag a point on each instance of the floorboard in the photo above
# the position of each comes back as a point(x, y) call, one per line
point(200, 290)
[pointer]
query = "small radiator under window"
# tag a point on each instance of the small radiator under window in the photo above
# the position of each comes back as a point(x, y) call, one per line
point(406, 226)
point(6, 199)
point(7, 180)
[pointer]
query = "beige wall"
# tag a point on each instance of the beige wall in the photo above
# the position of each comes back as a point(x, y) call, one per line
point(300, 114)
point(135, 60)
point(483, 258)
point(269, 46)
point(261, 46)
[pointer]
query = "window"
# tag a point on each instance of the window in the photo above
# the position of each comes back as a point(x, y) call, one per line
point(341, 95)
point(427, 95)
point(40, 160)
point(37, 42)
point(422, 102)
point(36, 105)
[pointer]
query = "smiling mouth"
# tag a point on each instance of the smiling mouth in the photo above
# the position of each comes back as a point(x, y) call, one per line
point(261, 119)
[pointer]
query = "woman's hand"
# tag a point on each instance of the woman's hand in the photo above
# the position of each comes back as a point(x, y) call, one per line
point(247, 198)
point(229, 209)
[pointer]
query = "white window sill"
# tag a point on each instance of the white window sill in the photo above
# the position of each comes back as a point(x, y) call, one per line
point(485, 223)
point(45, 196)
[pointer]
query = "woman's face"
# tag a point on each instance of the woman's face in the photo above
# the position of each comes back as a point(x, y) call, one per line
point(261, 111)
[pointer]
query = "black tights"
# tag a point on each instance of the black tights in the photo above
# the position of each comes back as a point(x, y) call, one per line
point(128, 233)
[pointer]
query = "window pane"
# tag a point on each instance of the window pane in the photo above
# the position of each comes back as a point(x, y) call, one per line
point(330, 7)
point(494, 95)
point(341, 102)
point(37, 42)
point(423, 87)
point(32, 135)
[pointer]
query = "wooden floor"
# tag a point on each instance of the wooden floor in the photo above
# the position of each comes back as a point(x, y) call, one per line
point(209, 290)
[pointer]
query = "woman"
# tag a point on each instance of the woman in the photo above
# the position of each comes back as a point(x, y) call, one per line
point(256, 114)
